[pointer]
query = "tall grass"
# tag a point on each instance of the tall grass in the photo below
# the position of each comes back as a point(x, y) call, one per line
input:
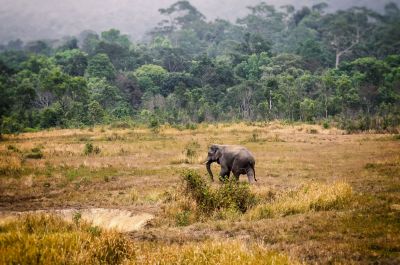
point(10, 166)
point(209, 252)
point(313, 197)
point(45, 239)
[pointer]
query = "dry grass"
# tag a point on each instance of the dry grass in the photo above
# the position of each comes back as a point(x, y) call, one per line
point(307, 177)
point(209, 252)
point(10, 166)
point(313, 197)
point(45, 239)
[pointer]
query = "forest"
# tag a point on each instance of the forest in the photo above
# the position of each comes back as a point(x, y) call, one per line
point(275, 63)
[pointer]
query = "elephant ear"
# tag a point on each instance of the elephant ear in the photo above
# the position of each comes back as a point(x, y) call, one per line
point(218, 153)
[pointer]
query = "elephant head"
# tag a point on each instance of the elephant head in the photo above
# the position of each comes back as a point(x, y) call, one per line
point(214, 154)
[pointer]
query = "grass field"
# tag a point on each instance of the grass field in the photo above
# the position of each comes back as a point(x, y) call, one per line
point(322, 196)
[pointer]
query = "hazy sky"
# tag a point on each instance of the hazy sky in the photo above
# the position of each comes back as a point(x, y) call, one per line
point(36, 19)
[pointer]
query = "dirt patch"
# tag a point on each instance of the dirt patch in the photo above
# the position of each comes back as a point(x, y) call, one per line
point(120, 220)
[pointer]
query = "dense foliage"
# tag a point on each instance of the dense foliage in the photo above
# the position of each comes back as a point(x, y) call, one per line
point(274, 63)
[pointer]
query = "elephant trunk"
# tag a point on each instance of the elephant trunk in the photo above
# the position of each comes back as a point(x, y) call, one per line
point(209, 169)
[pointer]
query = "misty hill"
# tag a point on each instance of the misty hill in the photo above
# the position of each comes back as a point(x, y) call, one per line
point(48, 19)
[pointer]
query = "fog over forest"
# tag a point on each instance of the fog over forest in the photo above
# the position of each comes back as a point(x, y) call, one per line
point(48, 19)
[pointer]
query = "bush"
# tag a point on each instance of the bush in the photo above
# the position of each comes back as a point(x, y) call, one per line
point(91, 149)
point(312, 131)
point(154, 124)
point(191, 126)
point(13, 148)
point(326, 125)
point(121, 125)
point(51, 116)
point(182, 218)
point(230, 195)
point(11, 124)
point(35, 153)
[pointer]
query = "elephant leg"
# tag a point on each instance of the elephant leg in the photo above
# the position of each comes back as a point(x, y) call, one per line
point(251, 175)
point(224, 174)
point(236, 170)
point(236, 174)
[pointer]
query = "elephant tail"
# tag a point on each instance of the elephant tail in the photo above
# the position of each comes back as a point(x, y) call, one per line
point(254, 171)
point(251, 174)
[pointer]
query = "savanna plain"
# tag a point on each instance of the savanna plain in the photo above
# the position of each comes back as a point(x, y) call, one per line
point(322, 197)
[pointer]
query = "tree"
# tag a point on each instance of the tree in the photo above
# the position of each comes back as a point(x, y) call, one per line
point(119, 55)
point(264, 21)
point(89, 41)
point(251, 69)
point(181, 15)
point(114, 36)
point(344, 30)
point(100, 66)
point(38, 47)
point(129, 86)
point(150, 77)
point(108, 96)
point(73, 62)
point(69, 44)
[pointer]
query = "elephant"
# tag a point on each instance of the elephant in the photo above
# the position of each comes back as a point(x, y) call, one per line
point(233, 158)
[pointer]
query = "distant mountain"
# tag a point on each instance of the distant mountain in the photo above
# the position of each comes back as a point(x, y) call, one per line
point(49, 19)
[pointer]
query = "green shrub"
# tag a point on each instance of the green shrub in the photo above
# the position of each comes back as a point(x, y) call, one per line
point(35, 153)
point(326, 125)
point(13, 148)
point(313, 131)
point(91, 149)
point(30, 130)
point(182, 218)
point(121, 125)
point(191, 126)
point(230, 195)
point(11, 124)
point(234, 195)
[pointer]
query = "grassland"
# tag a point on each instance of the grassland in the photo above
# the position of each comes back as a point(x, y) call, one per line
point(323, 196)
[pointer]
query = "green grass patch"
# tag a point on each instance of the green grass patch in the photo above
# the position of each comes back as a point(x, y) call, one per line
point(388, 169)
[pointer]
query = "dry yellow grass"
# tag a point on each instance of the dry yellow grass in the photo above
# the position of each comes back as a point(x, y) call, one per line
point(313, 197)
point(209, 252)
point(45, 239)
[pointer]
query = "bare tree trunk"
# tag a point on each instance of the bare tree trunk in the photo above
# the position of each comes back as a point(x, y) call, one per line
point(246, 105)
point(338, 54)
point(348, 49)
point(270, 100)
point(326, 107)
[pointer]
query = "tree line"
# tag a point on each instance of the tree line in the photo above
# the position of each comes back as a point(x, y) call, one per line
point(274, 63)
